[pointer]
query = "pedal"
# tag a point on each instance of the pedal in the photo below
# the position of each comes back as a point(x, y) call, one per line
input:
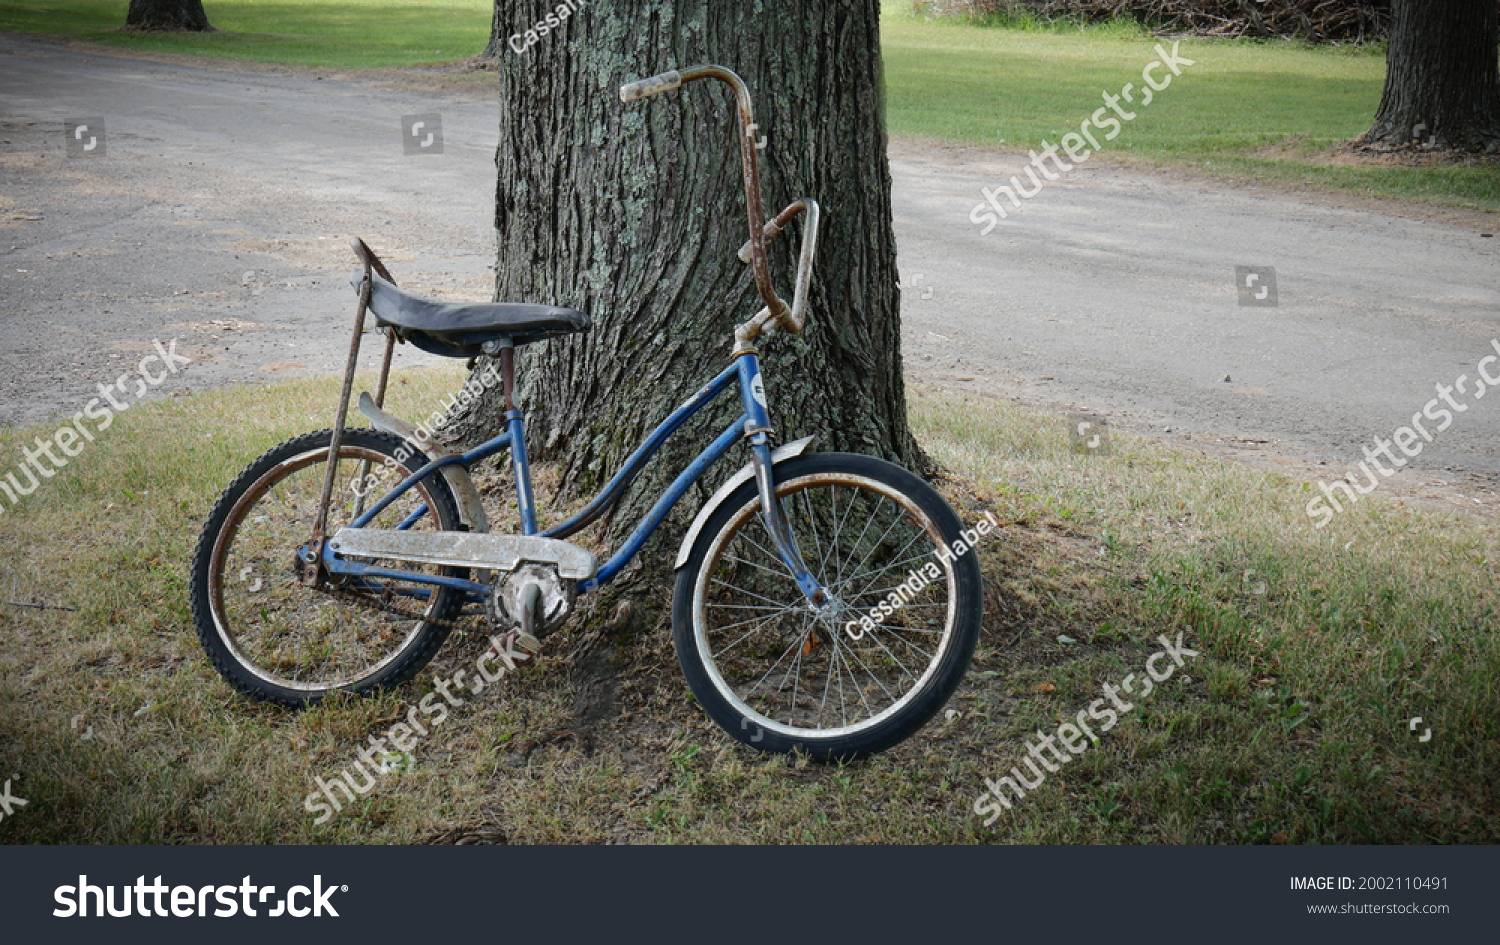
point(520, 640)
point(534, 600)
point(530, 603)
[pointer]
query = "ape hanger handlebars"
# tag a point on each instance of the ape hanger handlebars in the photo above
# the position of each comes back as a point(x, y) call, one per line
point(776, 314)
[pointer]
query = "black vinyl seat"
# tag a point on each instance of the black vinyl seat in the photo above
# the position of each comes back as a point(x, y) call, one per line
point(460, 329)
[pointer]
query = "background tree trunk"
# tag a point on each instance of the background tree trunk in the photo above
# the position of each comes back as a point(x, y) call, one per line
point(634, 213)
point(1442, 87)
point(495, 48)
point(168, 15)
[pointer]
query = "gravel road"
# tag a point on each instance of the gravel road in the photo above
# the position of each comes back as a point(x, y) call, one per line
point(220, 208)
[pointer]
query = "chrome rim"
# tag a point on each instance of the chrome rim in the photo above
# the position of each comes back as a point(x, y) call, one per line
point(283, 632)
point(810, 673)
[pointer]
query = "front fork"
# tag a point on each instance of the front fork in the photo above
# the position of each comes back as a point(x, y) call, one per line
point(758, 432)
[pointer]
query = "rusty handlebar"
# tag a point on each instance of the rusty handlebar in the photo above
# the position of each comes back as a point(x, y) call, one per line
point(753, 252)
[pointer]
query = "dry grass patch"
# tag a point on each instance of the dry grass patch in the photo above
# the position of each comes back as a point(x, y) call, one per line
point(1290, 727)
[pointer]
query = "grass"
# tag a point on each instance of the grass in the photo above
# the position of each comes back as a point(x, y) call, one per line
point(1247, 110)
point(955, 82)
point(1317, 647)
point(1290, 727)
point(352, 34)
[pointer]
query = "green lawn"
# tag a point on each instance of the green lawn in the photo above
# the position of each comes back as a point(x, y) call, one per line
point(352, 34)
point(977, 85)
point(1253, 110)
point(1316, 648)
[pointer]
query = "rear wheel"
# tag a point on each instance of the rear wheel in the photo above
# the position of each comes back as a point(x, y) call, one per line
point(277, 639)
point(864, 673)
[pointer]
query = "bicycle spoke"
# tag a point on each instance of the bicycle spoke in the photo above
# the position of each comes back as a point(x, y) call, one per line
point(794, 667)
point(857, 689)
point(743, 591)
point(795, 644)
point(812, 526)
point(756, 566)
point(799, 673)
point(833, 500)
point(746, 635)
point(878, 542)
point(893, 632)
point(744, 606)
point(827, 678)
point(288, 634)
point(873, 676)
point(854, 548)
point(890, 567)
point(876, 574)
point(769, 554)
point(893, 656)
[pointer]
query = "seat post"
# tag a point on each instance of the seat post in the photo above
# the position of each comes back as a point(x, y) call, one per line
point(506, 349)
point(508, 371)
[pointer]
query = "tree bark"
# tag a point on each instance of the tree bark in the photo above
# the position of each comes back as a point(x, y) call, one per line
point(1442, 87)
point(495, 48)
point(175, 15)
point(634, 213)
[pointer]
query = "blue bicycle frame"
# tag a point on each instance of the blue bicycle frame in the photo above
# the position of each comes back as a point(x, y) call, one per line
point(753, 424)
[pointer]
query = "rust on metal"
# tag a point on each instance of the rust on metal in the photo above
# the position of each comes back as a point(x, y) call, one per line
point(320, 524)
point(776, 313)
point(367, 256)
point(750, 159)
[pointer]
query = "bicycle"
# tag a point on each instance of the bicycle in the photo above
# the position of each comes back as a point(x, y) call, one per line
point(807, 578)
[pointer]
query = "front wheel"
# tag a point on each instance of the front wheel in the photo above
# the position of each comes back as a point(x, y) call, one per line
point(861, 673)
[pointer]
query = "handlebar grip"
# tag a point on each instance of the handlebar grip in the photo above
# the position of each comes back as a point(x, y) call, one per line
point(665, 82)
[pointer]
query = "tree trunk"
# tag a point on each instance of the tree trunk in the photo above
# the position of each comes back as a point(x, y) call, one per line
point(495, 48)
point(185, 15)
point(634, 214)
point(1442, 87)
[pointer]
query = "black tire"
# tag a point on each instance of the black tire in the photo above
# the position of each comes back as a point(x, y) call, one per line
point(732, 553)
point(276, 639)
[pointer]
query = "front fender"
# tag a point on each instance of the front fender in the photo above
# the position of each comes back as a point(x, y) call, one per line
point(779, 455)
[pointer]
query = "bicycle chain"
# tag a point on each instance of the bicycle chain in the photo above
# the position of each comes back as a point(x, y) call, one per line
point(371, 603)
